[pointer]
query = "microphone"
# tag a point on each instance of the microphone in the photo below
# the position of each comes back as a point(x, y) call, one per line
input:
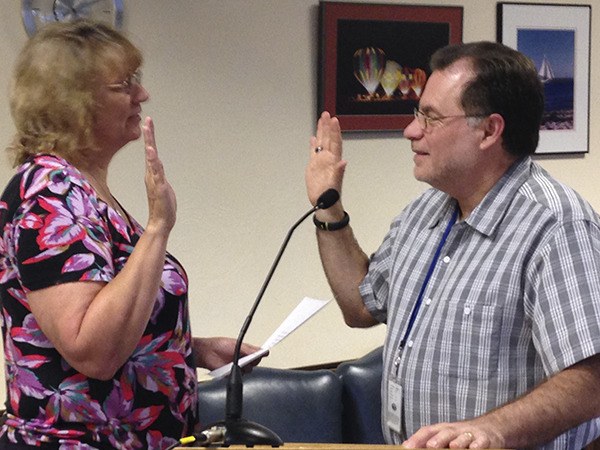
point(235, 430)
point(326, 200)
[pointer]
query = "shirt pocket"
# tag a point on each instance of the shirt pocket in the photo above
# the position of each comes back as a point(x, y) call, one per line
point(468, 341)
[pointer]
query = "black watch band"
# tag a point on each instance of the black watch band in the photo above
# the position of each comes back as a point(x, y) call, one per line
point(332, 226)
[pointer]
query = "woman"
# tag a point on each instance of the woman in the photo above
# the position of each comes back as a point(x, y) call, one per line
point(96, 330)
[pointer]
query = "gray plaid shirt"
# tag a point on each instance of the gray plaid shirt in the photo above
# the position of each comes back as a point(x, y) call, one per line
point(513, 299)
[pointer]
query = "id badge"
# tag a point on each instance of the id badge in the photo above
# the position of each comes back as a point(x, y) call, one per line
point(394, 406)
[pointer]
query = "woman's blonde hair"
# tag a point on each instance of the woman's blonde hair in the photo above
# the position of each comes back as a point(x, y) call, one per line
point(52, 96)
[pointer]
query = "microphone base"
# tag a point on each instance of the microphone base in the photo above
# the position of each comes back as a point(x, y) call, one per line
point(245, 432)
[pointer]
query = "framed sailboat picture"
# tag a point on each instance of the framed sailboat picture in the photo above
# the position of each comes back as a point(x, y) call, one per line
point(557, 39)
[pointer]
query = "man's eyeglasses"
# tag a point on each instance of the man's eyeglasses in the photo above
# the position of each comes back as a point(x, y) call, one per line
point(426, 121)
point(125, 85)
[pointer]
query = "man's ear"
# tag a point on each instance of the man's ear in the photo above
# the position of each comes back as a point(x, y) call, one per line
point(493, 127)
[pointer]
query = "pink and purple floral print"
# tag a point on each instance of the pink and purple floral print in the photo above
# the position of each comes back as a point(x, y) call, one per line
point(55, 229)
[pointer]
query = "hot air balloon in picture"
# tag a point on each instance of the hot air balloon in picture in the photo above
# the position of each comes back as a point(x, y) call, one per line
point(418, 81)
point(369, 65)
point(391, 77)
point(404, 83)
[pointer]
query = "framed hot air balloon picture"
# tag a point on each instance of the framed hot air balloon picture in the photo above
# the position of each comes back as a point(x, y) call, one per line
point(374, 60)
point(557, 39)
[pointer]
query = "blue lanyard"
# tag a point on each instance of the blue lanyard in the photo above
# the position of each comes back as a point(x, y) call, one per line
point(415, 311)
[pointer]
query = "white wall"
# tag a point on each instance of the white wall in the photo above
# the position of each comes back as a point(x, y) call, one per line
point(233, 95)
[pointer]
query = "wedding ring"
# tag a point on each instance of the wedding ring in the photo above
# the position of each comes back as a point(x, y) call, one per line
point(469, 435)
point(318, 149)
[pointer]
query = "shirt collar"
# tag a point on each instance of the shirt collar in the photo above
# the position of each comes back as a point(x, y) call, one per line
point(487, 216)
point(442, 213)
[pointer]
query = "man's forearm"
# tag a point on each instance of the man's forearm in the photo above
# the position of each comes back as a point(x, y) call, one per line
point(345, 266)
point(564, 401)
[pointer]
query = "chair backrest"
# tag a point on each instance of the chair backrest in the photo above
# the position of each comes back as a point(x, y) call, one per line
point(298, 405)
point(361, 397)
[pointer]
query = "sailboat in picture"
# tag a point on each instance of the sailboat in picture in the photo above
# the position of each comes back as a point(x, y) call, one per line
point(546, 73)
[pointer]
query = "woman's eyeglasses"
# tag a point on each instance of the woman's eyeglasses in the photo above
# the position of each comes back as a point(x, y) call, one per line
point(125, 85)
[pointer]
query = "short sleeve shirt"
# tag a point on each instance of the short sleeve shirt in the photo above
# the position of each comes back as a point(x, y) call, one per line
point(56, 230)
point(513, 299)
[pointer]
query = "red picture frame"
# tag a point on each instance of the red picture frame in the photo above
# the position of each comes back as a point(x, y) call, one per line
point(365, 48)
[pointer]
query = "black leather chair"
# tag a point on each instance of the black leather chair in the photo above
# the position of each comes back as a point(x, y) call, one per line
point(361, 398)
point(298, 405)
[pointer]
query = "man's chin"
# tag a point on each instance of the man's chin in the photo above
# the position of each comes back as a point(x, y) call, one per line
point(419, 174)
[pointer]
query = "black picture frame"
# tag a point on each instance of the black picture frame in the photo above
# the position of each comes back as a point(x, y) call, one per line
point(558, 39)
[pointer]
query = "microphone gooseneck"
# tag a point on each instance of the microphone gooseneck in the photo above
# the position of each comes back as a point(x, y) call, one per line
point(234, 429)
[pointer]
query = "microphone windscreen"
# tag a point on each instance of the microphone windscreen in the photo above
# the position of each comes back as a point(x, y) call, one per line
point(328, 198)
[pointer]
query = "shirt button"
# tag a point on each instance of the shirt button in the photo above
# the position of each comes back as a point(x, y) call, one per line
point(409, 344)
point(467, 311)
point(428, 301)
point(446, 259)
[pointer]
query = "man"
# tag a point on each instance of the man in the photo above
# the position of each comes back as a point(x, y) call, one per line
point(489, 282)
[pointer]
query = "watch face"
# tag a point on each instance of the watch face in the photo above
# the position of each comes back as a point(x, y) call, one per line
point(37, 13)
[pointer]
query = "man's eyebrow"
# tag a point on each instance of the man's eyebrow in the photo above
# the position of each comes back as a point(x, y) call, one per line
point(428, 109)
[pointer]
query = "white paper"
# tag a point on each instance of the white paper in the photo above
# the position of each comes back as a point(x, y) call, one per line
point(307, 308)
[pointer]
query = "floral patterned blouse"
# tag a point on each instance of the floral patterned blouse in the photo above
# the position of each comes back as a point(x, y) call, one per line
point(55, 230)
